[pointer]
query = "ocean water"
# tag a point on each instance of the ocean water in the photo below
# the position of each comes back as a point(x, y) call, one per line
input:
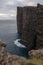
point(8, 33)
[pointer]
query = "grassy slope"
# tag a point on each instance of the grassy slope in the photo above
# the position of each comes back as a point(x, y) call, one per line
point(32, 61)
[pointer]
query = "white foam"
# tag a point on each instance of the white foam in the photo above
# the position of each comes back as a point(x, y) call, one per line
point(16, 42)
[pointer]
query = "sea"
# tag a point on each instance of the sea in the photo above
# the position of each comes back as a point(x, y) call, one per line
point(8, 34)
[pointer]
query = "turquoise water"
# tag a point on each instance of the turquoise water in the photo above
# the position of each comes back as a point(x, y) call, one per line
point(8, 33)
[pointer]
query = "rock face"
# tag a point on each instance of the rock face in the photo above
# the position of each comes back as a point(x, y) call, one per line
point(36, 53)
point(32, 26)
point(29, 25)
point(39, 30)
point(19, 19)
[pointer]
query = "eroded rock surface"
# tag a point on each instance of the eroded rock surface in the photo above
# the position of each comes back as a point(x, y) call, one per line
point(36, 53)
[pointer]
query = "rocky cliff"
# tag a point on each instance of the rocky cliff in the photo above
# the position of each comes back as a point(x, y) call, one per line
point(32, 26)
point(29, 24)
point(39, 30)
point(19, 19)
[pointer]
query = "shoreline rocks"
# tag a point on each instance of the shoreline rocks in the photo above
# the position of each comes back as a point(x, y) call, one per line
point(8, 59)
point(36, 53)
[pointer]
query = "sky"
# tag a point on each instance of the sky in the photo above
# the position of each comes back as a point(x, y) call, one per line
point(8, 8)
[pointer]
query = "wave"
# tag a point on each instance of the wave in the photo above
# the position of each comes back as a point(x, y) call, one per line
point(16, 42)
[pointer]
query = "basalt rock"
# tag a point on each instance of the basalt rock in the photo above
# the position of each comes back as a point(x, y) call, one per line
point(29, 26)
point(39, 40)
point(19, 19)
point(32, 26)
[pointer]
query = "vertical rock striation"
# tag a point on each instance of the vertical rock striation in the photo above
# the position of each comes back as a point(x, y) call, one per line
point(39, 40)
point(19, 19)
point(30, 24)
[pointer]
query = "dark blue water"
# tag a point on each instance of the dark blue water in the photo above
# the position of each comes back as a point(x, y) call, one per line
point(8, 33)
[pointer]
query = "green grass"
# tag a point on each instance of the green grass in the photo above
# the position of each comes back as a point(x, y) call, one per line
point(34, 61)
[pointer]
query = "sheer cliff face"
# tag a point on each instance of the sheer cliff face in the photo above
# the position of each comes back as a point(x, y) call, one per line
point(39, 40)
point(19, 19)
point(32, 26)
point(29, 23)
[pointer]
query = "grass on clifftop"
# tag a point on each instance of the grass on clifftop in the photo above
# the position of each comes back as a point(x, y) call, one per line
point(33, 61)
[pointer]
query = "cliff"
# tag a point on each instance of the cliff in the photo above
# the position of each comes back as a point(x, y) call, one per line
point(32, 26)
point(39, 30)
point(19, 19)
point(29, 24)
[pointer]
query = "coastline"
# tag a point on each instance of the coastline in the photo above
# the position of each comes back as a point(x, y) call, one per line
point(8, 59)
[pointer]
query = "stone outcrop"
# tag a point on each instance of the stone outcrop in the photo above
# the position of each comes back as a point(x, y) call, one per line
point(32, 26)
point(36, 53)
